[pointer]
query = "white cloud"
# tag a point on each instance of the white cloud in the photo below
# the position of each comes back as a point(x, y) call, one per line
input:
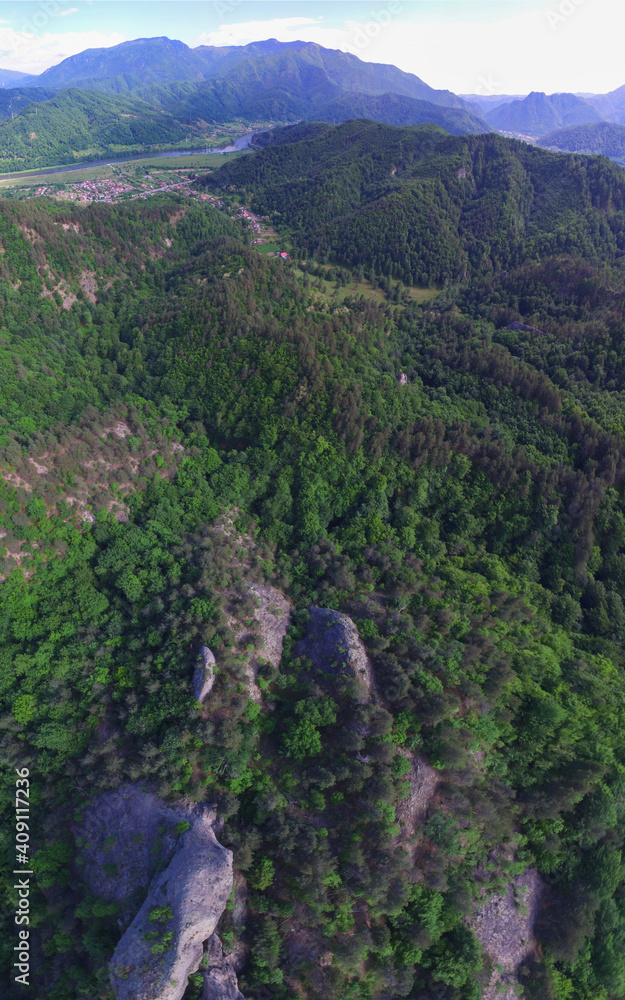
point(64, 13)
point(31, 52)
point(285, 29)
point(564, 45)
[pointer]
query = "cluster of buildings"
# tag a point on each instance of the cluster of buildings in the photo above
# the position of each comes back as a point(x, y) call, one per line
point(255, 224)
point(252, 220)
point(96, 190)
point(109, 190)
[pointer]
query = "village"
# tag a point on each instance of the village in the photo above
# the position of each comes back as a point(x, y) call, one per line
point(110, 190)
point(265, 242)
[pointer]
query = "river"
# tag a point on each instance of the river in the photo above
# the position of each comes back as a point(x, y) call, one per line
point(241, 143)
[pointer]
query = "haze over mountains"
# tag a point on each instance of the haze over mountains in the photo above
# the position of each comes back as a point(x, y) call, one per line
point(176, 93)
point(152, 91)
point(150, 61)
point(538, 113)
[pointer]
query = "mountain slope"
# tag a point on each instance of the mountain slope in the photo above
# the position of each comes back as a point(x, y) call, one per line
point(423, 205)
point(400, 531)
point(611, 106)
point(148, 62)
point(129, 65)
point(12, 78)
point(13, 100)
point(603, 138)
point(488, 102)
point(341, 69)
point(392, 109)
point(288, 87)
point(79, 124)
point(539, 113)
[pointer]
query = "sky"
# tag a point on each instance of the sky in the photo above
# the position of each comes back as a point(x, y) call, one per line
point(468, 46)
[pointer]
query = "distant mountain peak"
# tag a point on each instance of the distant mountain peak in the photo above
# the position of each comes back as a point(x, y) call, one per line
point(143, 62)
point(539, 113)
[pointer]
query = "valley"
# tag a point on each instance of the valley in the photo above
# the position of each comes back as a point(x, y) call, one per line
point(312, 530)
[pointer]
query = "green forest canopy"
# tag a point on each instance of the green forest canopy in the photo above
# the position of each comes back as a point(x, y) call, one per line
point(471, 521)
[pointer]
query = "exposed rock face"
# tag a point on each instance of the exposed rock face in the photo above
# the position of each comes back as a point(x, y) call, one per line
point(220, 980)
point(334, 646)
point(273, 616)
point(204, 677)
point(124, 837)
point(505, 928)
point(181, 911)
point(412, 811)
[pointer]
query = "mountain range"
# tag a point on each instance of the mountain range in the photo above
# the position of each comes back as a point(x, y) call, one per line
point(152, 91)
point(538, 113)
point(177, 92)
point(151, 61)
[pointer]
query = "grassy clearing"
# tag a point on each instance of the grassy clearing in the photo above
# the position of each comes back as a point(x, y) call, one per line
point(423, 294)
point(330, 292)
point(194, 161)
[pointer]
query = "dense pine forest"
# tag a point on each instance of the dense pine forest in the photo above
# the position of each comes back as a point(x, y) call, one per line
point(183, 416)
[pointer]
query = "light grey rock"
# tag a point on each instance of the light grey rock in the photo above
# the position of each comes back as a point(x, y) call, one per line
point(504, 927)
point(220, 979)
point(195, 886)
point(124, 837)
point(273, 615)
point(204, 677)
point(333, 645)
point(412, 811)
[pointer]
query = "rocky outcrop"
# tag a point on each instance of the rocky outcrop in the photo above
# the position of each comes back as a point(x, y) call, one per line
point(505, 928)
point(220, 979)
point(333, 645)
point(164, 942)
point(412, 810)
point(125, 836)
point(273, 615)
point(204, 676)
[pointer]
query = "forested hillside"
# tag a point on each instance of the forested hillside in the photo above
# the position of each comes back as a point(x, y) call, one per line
point(79, 125)
point(290, 89)
point(425, 206)
point(184, 417)
point(44, 128)
point(601, 138)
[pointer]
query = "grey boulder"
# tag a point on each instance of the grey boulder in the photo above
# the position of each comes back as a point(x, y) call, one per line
point(204, 676)
point(220, 979)
point(333, 645)
point(164, 942)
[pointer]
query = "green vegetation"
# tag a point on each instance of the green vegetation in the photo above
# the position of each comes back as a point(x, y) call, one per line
point(80, 125)
point(426, 207)
point(217, 421)
point(603, 138)
point(105, 108)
